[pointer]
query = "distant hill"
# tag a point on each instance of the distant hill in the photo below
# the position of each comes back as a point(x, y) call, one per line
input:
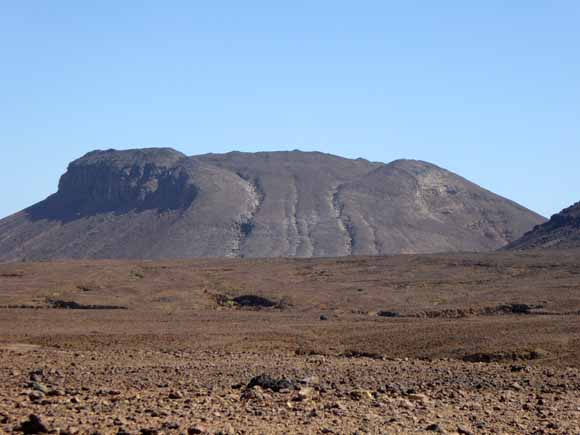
point(159, 203)
point(561, 231)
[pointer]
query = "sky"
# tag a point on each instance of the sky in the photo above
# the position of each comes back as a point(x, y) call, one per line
point(488, 89)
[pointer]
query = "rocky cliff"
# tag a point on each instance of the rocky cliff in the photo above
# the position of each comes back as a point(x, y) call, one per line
point(561, 231)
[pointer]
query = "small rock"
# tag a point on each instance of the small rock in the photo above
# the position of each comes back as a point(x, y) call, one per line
point(516, 386)
point(36, 386)
point(421, 398)
point(36, 396)
point(434, 428)
point(119, 421)
point(406, 404)
point(197, 430)
point(33, 425)
point(267, 382)
point(36, 375)
point(304, 393)
point(227, 430)
point(310, 380)
point(361, 395)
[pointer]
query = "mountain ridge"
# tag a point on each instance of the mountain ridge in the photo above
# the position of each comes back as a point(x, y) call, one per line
point(561, 231)
point(160, 203)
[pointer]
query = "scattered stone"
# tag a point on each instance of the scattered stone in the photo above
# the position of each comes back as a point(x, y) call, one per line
point(197, 430)
point(39, 387)
point(268, 382)
point(175, 395)
point(227, 430)
point(310, 380)
point(33, 425)
point(434, 428)
point(36, 375)
point(421, 398)
point(36, 396)
point(361, 395)
point(361, 354)
point(304, 393)
point(253, 393)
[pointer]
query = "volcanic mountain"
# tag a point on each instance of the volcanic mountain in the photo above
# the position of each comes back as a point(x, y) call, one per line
point(561, 231)
point(158, 203)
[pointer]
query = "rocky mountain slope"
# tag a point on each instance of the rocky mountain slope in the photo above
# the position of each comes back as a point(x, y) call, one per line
point(561, 231)
point(159, 203)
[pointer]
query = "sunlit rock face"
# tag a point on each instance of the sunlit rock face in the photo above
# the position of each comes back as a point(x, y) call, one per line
point(561, 231)
point(159, 203)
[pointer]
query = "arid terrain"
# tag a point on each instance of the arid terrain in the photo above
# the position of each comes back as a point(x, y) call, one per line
point(449, 343)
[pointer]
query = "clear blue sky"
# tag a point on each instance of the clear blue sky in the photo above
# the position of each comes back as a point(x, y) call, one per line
point(489, 89)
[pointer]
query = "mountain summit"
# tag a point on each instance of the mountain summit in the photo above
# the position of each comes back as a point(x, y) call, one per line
point(158, 203)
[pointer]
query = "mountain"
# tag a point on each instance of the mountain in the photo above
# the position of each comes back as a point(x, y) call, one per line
point(561, 231)
point(158, 203)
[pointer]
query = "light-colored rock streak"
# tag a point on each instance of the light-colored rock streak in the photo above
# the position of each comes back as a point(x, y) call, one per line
point(373, 232)
point(343, 226)
point(303, 242)
point(247, 221)
point(292, 233)
point(246, 217)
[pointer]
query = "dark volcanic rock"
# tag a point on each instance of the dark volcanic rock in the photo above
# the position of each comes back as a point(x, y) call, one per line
point(158, 203)
point(267, 382)
point(561, 231)
point(33, 425)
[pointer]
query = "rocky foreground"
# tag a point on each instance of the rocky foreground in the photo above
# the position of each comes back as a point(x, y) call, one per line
point(463, 343)
point(139, 391)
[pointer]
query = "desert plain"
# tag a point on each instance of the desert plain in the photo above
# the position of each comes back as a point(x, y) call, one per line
point(409, 344)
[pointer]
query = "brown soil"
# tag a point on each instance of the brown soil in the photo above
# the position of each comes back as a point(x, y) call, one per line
point(500, 355)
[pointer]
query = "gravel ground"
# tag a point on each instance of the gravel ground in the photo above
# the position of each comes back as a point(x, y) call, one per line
point(138, 391)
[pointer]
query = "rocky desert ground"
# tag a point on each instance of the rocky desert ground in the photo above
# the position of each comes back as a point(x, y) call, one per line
point(454, 343)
